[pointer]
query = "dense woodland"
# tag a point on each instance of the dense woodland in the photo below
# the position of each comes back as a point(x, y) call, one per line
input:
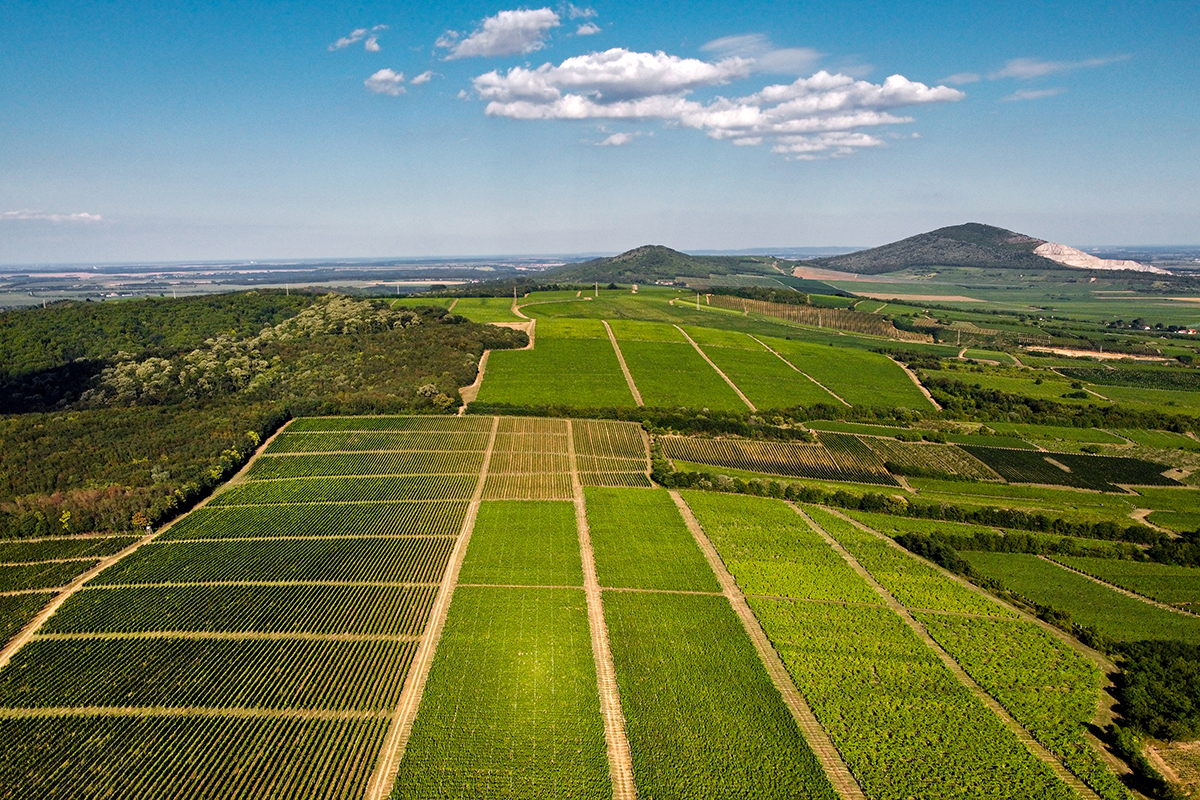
point(119, 409)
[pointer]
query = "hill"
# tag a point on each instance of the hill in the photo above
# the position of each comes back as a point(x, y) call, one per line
point(969, 245)
point(651, 263)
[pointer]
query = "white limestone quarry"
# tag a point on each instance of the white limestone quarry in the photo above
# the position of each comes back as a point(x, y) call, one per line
point(1071, 257)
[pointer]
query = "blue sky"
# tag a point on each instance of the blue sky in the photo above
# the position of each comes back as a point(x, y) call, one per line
point(137, 131)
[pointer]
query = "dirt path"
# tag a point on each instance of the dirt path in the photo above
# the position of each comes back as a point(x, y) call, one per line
point(34, 625)
point(453, 303)
point(400, 729)
point(637, 396)
point(1106, 701)
point(1119, 590)
point(917, 381)
point(832, 393)
point(1141, 514)
point(822, 746)
point(1031, 744)
point(713, 364)
point(620, 762)
point(469, 393)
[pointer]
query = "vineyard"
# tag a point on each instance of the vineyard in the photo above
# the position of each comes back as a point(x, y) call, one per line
point(703, 718)
point(522, 542)
point(1177, 586)
point(837, 457)
point(1100, 473)
point(910, 458)
point(832, 318)
point(557, 371)
point(673, 374)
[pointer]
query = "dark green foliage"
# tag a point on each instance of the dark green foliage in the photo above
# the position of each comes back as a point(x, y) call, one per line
point(1086, 471)
point(1187, 380)
point(654, 263)
point(937, 552)
point(1160, 688)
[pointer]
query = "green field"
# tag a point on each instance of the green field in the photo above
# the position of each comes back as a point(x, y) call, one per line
point(860, 378)
point(702, 716)
point(510, 709)
point(765, 379)
point(486, 309)
point(1114, 615)
point(670, 374)
point(524, 542)
point(641, 542)
point(1177, 586)
point(557, 371)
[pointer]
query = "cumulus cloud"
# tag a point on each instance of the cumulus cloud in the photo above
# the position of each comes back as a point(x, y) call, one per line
point(386, 81)
point(1031, 94)
point(358, 35)
point(1026, 68)
point(424, 77)
point(587, 29)
point(818, 116)
point(508, 33)
point(575, 12)
point(618, 139)
point(765, 57)
point(43, 216)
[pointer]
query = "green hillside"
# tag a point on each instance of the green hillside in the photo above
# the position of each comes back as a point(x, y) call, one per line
point(651, 263)
point(969, 245)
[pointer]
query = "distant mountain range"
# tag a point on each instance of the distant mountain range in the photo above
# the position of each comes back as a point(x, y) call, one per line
point(970, 245)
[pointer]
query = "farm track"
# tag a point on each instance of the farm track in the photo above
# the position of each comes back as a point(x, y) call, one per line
point(822, 746)
point(637, 396)
point(917, 381)
point(1025, 737)
point(771, 350)
point(17, 592)
point(620, 762)
point(34, 625)
point(238, 636)
point(718, 370)
point(1119, 590)
point(384, 774)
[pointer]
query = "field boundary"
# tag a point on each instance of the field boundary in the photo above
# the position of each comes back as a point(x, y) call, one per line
point(917, 381)
point(612, 337)
point(34, 625)
point(718, 370)
point(384, 775)
point(818, 739)
point(620, 762)
point(992, 704)
point(1119, 589)
point(771, 350)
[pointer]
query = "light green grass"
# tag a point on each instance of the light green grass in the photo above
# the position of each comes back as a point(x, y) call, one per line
point(641, 542)
point(564, 328)
point(717, 337)
point(571, 372)
point(766, 380)
point(860, 378)
point(486, 309)
point(671, 375)
point(1162, 582)
point(524, 542)
point(510, 709)
point(702, 716)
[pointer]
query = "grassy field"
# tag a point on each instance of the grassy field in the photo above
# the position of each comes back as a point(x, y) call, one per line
point(702, 716)
point(860, 378)
point(641, 542)
point(1178, 586)
point(510, 709)
point(1113, 614)
point(671, 374)
point(567, 371)
point(486, 309)
point(524, 542)
point(767, 381)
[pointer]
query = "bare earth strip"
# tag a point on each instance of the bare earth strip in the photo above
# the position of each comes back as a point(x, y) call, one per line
point(1148, 600)
point(637, 396)
point(917, 381)
point(713, 364)
point(414, 684)
point(1031, 744)
point(822, 746)
point(469, 393)
point(802, 372)
point(27, 633)
point(620, 762)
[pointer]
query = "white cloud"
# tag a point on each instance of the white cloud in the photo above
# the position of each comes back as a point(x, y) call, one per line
point(508, 33)
point(43, 216)
point(575, 12)
point(357, 35)
point(1031, 94)
point(386, 81)
point(818, 116)
point(962, 78)
point(1026, 68)
point(765, 57)
point(618, 139)
point(587, 29)
point(424, 77)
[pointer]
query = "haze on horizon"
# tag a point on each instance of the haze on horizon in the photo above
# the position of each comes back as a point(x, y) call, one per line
point(135, 132)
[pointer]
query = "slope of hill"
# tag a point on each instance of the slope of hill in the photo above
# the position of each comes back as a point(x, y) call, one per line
point(651, 263)
point(969, 245)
